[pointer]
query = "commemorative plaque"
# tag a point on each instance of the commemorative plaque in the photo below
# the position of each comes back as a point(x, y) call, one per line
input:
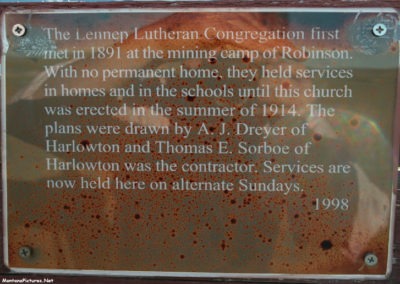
point(237, 143)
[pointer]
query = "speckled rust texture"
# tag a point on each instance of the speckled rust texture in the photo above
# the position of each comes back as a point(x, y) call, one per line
point(86, 220)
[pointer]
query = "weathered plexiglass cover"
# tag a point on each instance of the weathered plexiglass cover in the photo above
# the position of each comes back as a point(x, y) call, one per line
point(252, 143)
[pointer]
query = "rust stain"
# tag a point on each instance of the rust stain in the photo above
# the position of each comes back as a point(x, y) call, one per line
point(187, 230)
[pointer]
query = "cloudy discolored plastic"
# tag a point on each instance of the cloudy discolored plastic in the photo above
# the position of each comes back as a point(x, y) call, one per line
point(286, 171)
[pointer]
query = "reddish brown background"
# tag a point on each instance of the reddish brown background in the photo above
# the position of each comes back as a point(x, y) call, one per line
point(395, 276)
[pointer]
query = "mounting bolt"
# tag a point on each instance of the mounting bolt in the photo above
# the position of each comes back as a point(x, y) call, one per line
point(18, 30)
point(25, 252)
point(379, 30)
point(370, 259)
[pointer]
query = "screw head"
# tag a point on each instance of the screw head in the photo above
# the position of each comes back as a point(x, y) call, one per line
point(18, 30)
point(370, 259)
point(25, 252)
point(379, 30)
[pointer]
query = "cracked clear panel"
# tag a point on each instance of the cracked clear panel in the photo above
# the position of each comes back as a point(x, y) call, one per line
point(200, 143)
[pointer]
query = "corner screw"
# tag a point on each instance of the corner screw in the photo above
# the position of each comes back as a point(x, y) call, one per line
point(25, 252)
point(370, 259)
point(18, 30)
point(379, 30)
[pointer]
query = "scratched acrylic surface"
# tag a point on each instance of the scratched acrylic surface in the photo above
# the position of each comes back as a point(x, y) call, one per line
point(299, 218)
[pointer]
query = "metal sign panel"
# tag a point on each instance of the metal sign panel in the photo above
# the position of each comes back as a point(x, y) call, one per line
point(200, 143)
